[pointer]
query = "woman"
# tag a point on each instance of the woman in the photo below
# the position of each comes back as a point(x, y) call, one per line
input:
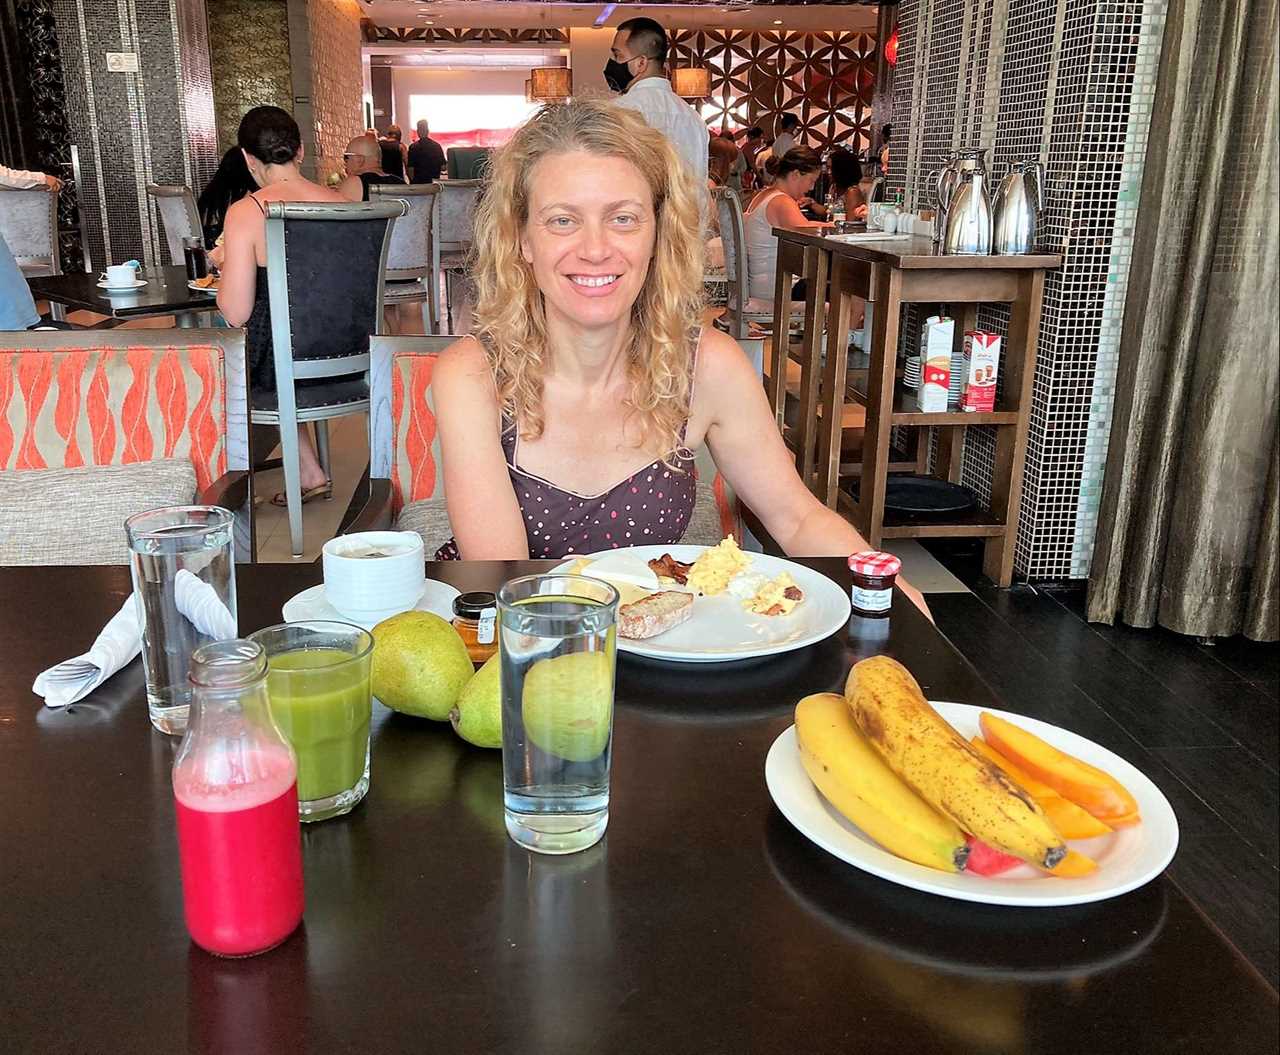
point(794, 175)
point(846, 175)
point(272, 147)
point(229, 184)
point(568, 422)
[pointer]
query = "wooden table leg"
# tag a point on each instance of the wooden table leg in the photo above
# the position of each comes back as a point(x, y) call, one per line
point(777, 386)
point(869, 512)
point(1018, 366)
point(834, 375)
point(816, 264)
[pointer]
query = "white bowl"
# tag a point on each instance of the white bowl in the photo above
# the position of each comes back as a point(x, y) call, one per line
point(372, 572)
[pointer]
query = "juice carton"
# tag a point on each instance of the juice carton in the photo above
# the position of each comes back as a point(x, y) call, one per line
point(936, 338)
point(981, 366)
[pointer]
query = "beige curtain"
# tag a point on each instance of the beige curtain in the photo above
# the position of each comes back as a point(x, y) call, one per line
point(1188, 529)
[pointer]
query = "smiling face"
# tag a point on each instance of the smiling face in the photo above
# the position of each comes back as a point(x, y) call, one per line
point(589, 236)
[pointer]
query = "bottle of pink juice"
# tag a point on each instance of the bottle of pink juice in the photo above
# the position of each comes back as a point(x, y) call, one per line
point(235, 782)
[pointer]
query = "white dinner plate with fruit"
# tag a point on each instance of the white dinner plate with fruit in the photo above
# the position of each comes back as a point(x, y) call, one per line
point(1126, 858)
point(721, 628)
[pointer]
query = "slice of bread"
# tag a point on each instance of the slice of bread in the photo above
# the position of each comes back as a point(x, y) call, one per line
point(655, 614)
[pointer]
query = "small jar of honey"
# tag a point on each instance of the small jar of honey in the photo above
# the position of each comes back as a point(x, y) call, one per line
point(475, 617)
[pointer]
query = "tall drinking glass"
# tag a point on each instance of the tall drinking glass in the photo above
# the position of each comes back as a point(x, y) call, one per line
point(184, 577)
point(557, 665)
point(319, 681)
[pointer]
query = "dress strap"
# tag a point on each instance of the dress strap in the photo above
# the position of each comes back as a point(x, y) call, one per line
point(261, 208)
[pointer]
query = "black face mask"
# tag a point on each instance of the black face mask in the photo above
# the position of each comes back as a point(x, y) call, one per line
point(617, 75)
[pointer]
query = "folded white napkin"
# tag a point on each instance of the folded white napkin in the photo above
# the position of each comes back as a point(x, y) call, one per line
point(117, 645)
point(121, 640)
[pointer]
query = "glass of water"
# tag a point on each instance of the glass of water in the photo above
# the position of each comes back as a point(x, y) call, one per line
point(184, 579)
point(557, 662)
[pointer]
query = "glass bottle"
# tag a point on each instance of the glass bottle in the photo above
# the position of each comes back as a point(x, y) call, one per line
point(235, 785)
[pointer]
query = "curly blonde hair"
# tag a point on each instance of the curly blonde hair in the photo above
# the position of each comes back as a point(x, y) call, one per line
point(510, 316)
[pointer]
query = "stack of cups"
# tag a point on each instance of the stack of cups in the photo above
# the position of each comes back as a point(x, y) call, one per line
point(911, 372)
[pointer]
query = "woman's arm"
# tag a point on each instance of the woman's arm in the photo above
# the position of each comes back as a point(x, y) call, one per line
point(239, 264)
point(784, 212)
point(483, 509)
point(748, 449)
point(855, 205)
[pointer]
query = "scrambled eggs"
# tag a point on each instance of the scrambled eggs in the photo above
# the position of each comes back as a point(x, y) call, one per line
point(776, 597)
point(713, 570)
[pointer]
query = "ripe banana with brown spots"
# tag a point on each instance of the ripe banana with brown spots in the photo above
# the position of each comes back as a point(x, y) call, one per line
point(926, 752)
point(853, 777)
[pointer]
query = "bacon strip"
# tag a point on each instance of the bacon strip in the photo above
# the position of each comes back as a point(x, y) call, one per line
point(670, 568)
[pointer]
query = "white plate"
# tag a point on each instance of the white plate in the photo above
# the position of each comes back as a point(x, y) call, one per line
point(721, 630)
point(201, 289)
point(123, 289)
point(1126, 858)
point(312, 604)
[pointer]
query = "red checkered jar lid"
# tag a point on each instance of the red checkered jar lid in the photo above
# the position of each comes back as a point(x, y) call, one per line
point(875, 563)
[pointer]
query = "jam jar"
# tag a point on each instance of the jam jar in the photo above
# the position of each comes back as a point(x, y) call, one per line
point(475, 617)
point(874, 573)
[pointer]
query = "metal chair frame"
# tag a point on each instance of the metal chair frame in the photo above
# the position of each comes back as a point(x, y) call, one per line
point(174, 237)
point(422, 282)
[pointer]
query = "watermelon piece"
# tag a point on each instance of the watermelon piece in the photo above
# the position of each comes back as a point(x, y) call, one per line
point(986, 860)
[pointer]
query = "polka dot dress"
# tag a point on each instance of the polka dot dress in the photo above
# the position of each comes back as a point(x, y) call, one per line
point(650, 507)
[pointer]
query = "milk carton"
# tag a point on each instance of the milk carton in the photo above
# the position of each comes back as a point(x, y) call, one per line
point(981, 366)
point(936, 338)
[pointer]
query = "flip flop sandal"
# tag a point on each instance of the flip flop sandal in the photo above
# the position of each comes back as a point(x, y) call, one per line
point(324, 491)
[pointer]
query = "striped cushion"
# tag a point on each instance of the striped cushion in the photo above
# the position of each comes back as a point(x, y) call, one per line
point(415, 458)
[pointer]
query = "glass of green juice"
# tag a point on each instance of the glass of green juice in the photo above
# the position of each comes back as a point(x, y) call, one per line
point(318, 681)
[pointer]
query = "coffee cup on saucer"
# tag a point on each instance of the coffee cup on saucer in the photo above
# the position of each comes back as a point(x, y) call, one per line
point(371, 575)
point(120, 276)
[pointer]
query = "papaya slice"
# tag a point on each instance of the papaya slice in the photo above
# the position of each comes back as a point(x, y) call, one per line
point(1088, 787)
point(1074, 866)
point(1071, 821)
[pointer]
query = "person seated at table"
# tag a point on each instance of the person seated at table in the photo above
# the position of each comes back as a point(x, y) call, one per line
point(845, 177)
point(272, 147)
point(569, 420)
point(363, 162)
point(794, 175)
point(231, 182)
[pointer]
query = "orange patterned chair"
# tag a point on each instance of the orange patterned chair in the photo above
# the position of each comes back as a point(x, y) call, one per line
point(406, 486)
point(107, 419)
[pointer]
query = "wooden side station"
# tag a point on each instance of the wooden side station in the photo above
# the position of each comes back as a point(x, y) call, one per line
point(885, 274)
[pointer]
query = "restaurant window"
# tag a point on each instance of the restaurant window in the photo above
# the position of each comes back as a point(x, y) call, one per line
point(470, 120)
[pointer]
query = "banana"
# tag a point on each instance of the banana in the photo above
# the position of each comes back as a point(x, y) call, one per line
point(849, 773)
point(919, 745)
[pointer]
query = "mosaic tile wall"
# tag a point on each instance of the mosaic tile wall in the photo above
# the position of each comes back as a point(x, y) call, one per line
point(153, 126)
point(826, 79)
point(337, 83)
point(249, 54)
point(1070, 83)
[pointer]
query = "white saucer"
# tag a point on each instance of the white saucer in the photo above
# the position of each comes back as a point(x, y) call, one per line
point(312, 604)
point(123, 289)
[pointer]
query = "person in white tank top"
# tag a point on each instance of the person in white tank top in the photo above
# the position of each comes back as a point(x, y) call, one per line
point(794, 175)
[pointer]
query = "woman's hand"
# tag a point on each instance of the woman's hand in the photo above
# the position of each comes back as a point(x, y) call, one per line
point(217, 255)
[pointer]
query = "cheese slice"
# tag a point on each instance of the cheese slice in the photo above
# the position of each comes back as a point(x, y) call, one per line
point(625, 572)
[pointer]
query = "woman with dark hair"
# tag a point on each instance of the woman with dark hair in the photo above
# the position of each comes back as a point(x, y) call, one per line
point(395, 154)
point(229, 184)
point(271, 145)
point(793, 176)
point(846, 174)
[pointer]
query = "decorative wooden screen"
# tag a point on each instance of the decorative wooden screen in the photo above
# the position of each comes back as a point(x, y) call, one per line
point(826, 79)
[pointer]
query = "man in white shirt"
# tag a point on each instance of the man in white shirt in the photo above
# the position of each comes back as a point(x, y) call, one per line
point(639, 70)
point(787, 134)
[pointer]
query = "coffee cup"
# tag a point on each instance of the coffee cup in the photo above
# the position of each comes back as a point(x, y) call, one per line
point(370, 575)
point(120, 276)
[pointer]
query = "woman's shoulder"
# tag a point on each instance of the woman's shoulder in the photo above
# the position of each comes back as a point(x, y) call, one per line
point(463, 367)
point(720, 359)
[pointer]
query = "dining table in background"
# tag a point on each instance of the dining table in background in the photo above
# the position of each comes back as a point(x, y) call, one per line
point(166, 293)
point(703, 922)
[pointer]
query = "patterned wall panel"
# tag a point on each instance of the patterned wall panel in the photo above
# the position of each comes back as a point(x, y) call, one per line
point(153, 126)
point(249, 54)
point(337, 81)
point(433, 35)
point(826, 79)
point(1068, 82)
point(38, 32)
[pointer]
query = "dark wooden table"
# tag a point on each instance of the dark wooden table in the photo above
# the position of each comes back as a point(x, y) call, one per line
point(166, 293)
point(703, 922)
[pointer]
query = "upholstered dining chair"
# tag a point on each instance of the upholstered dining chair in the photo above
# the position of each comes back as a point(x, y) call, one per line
point(29, 224)
point(453, 230)
point(178, 215)
point(411, 275)
point(96, 425)
point(405, 485)
point(325, 267)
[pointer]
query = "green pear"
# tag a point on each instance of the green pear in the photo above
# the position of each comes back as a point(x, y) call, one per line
point(420, 664)
point(477, 716)
point(567, 704)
